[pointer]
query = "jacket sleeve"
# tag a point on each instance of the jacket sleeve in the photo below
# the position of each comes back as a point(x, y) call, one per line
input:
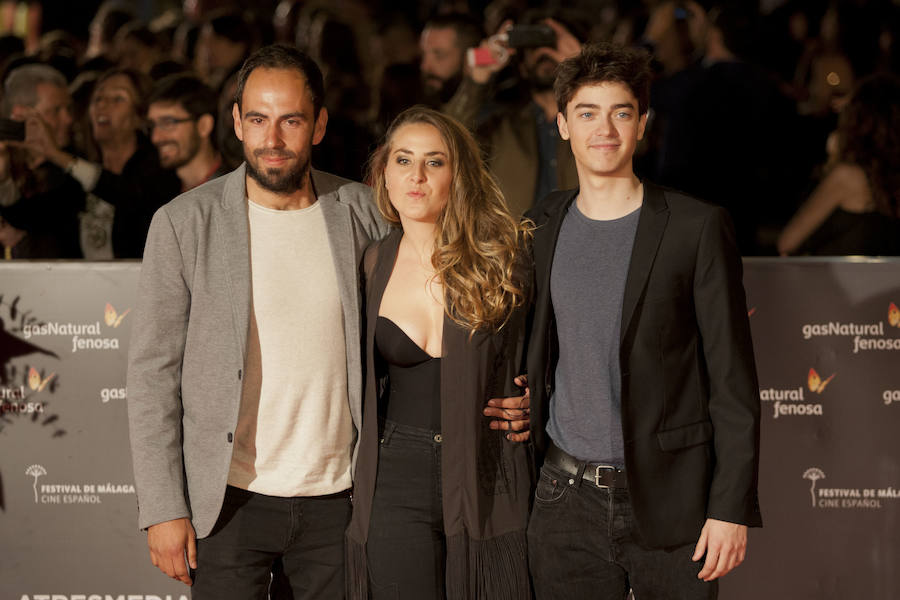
point(154, 377)
point(721, 312)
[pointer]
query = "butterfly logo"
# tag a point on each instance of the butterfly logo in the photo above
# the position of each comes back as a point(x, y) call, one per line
point(112, 318)
point(751, 311)
point(894, 315)
point(35, 382)
point(815, 383)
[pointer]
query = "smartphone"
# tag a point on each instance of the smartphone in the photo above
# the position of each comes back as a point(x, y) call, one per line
point(12, 130)
point(480, 57)
point(531, 36)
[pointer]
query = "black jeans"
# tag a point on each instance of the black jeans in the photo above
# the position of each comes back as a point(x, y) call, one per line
point(253, 532)
point(406, 548)
point(580, 545)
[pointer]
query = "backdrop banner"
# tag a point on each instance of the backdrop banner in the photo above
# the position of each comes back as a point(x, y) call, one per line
point(68, 511)
point(826, 334)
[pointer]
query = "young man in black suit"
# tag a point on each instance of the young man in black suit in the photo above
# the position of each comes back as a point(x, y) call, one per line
point(640, 365)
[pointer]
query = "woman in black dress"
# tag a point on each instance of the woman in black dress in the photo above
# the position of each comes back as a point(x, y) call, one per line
point(441, 499)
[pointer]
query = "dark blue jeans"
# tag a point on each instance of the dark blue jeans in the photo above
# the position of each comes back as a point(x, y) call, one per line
point(301, 540)
point(406, 549)
point(581, 545)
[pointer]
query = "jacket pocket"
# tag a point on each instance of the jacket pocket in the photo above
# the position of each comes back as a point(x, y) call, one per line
point(685, 436)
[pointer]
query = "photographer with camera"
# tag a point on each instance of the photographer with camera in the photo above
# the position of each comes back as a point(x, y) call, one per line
point(517, 126)
point(39, 202)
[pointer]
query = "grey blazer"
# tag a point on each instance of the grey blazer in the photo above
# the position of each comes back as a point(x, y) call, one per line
point(189, 337)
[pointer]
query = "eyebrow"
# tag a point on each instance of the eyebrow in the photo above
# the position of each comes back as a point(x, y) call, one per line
point(432, 153)
point(293, 115)
point(614, 106)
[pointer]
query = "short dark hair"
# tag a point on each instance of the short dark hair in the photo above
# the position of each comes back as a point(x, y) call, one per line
point(282, 56)
point(195, 96)
point(604, 62)
point(469, 31)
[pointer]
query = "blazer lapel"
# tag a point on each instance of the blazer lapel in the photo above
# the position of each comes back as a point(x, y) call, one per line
point(233, 229)
point(545, 238)
point(651, 225)
point(343, 250)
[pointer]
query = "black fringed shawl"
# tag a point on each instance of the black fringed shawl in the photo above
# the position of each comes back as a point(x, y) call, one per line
point(486, 479)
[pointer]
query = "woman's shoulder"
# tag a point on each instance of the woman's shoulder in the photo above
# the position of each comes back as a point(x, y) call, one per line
point(375, 250)
point(849, 182)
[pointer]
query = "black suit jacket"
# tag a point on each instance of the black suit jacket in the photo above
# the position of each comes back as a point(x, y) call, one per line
point(690, 404)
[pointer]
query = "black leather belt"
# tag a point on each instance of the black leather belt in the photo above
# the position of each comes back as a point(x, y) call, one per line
point(602, 476)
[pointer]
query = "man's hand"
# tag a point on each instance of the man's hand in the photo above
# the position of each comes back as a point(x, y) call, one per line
point(496, 45)
point(40, 141)
point(169, 542)
point(725, 545)
point(511, 413)
point(567, 45)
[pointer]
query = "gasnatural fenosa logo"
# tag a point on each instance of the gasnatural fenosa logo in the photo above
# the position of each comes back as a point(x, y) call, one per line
point(865, 336)
point(793, 401)
point(85, 336)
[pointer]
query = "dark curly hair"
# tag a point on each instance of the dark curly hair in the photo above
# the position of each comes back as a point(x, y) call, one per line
point(600, 63)
point(869, 136)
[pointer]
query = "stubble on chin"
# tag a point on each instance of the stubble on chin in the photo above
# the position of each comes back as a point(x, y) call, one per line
point(280, 181)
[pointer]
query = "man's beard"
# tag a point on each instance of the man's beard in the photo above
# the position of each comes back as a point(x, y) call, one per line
point(436, 96)
point(179, 161)
point(280, 181)
point(541, 78)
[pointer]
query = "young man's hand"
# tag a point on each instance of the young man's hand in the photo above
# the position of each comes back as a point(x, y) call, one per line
point(724, 544)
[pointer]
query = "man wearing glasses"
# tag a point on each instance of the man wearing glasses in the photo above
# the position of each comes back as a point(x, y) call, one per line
point(181, 117)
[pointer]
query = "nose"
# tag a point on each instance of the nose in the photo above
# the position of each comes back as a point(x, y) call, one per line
point(426, 65)
point(605, 127)
point(155, 136)
point(273, 137)
point(417, 174)
point(65, 117)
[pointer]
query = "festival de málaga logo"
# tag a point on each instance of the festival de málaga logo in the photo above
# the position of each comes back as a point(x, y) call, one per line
point(73, 493)
point(863, 336)
point(794, 401)
point(85, 336)
point(839, 497)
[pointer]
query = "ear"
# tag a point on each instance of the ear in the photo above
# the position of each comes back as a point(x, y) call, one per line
point(205, 124)
point(321, 122)
point(238, 126)
point(642, 124)
point(18, 112)
point(562, 125)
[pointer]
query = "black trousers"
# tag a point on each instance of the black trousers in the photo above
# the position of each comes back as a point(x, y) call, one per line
point(581, 546)
point(406, 549)
point(301, 538)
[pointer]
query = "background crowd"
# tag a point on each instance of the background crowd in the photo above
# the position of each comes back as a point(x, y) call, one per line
point(786, 113)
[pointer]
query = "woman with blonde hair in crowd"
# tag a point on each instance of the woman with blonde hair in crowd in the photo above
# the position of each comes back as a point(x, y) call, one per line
point(441, 495)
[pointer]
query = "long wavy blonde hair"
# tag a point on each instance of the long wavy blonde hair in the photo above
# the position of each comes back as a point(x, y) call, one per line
point(478, 251)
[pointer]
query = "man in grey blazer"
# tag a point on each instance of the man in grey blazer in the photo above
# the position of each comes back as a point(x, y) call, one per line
point(244, 377)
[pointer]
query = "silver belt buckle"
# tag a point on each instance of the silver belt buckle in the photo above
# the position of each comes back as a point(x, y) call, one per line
point(597, 475)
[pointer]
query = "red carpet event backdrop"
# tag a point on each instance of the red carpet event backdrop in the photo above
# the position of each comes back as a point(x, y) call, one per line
point(827, 342)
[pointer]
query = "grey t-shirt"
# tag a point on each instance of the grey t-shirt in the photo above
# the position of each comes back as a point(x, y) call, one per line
point(587, 286)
